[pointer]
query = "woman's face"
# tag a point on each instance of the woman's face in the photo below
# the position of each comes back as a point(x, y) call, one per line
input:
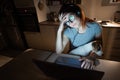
point(73, 21)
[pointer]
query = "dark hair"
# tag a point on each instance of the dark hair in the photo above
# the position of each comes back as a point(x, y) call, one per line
point(75, 9)
point(70, 8)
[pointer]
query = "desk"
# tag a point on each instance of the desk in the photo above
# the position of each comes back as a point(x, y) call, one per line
point(22, 67)
point(111, 69)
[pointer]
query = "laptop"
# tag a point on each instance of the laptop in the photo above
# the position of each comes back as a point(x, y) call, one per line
point(68, 61)
point(66, 72)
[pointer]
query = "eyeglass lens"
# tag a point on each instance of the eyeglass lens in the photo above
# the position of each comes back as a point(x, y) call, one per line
point(71, 19)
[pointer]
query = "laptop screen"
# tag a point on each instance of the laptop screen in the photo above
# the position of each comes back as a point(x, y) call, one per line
point(63, 72)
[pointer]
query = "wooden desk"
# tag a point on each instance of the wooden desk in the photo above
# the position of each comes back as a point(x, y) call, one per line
point(111, 69)
point(22, 67)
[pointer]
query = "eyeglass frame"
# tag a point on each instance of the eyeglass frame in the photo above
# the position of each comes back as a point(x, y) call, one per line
point(70, 19)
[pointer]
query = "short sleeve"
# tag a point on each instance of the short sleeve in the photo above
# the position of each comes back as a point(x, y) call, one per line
point(66, 32)
point(98, 30)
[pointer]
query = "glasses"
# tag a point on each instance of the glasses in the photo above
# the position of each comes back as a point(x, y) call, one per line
point(71, 19)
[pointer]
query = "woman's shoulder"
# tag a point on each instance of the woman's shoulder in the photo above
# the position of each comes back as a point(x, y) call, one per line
point(92, 24)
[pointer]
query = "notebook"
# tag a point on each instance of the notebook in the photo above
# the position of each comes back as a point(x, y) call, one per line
point(66, 72)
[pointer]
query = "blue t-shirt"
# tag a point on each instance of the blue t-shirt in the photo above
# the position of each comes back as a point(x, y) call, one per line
point(78, 39)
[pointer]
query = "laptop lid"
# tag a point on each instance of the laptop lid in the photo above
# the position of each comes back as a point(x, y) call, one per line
point(63, 72)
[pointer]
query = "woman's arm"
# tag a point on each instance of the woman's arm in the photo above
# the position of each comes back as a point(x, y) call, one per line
point(61, 40)
point(98, 35)
point(82, 50)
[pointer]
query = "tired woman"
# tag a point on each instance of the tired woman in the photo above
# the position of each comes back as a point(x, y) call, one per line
point(82, 33)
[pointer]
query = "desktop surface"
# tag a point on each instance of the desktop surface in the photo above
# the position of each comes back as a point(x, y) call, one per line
point(23, 68)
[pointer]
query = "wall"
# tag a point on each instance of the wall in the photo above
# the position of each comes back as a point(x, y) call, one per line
point(94, 9)
point(23, 3)
point(43, 12)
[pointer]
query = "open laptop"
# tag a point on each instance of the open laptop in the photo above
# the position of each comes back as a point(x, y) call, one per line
point(65, 72)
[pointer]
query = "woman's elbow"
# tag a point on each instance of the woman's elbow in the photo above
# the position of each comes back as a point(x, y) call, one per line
point(59, 51)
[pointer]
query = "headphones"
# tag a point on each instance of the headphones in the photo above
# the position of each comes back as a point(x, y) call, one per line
point(70, 8)
point(75, 9)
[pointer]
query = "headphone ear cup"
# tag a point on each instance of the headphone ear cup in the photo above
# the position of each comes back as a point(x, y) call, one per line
point(78, 13)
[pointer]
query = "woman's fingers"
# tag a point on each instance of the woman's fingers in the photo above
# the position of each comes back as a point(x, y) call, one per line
point(63, 17)
point(87, 64)
point(60, 17)
point(82, 65)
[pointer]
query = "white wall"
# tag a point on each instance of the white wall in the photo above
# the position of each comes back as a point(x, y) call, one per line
point(41, 13)
point(94, 9)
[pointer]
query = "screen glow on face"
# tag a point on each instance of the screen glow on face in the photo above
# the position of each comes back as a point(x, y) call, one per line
point(71, 19)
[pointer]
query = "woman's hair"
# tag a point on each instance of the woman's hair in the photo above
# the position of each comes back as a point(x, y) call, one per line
point(75, 9)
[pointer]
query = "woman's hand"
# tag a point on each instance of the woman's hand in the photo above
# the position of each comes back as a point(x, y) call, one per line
point(63, 18)
point(88, 62)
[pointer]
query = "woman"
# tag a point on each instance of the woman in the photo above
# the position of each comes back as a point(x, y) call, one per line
point(82, 33)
